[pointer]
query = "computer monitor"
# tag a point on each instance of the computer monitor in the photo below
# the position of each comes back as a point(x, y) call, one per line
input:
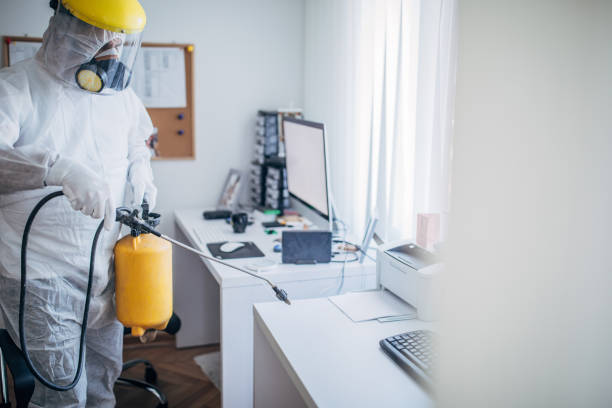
point(307, 169)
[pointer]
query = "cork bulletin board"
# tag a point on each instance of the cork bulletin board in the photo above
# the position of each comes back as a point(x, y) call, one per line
point(174, 122)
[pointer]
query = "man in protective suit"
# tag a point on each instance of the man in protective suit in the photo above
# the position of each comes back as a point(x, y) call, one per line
point(69, 121)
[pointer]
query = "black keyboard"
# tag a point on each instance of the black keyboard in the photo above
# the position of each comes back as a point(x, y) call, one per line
point(414, 353)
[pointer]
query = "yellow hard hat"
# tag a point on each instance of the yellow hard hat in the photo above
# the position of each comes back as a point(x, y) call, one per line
point(122, 16)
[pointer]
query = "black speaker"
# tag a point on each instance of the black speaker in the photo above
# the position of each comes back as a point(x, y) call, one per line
point(307, 247)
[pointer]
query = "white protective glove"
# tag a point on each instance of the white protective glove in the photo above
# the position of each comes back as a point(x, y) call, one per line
point(85, 190)
point(141, 180)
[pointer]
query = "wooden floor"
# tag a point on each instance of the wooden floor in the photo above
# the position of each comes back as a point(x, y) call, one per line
point(179, 376)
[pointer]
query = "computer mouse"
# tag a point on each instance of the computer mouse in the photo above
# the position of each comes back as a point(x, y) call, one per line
point(231, 246)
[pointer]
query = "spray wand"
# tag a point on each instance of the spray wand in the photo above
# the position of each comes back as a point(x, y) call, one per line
point(132, 219)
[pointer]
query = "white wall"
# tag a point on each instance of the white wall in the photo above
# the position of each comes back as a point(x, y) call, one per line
point(248, 55)
point(327, 87)
point(528, 304)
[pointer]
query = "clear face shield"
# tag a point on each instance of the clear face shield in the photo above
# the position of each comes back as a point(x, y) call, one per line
point(110, 69)
point(93, 59)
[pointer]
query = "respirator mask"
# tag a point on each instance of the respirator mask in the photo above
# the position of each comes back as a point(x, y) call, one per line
point(110, 68)
point(92, 48)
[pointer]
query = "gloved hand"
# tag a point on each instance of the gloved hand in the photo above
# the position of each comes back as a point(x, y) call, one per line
point(141, 180)
point(85, 190)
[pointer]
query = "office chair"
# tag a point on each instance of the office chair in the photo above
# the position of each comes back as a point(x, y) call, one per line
point(23, 380)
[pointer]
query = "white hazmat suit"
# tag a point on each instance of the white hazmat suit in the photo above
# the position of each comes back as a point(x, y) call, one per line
point(54, 134)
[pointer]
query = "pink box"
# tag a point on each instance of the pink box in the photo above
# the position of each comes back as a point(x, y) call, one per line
point(428, 230)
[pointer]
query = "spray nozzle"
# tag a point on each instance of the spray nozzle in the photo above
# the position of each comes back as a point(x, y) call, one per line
point(137, 224)
point(281, 294)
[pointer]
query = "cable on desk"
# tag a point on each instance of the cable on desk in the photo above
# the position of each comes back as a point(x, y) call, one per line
point(346, 259)
point(355, 257)
point(358, 248)
point(339, 290)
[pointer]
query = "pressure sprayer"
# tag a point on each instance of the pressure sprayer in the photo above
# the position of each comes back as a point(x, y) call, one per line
point(143, 279)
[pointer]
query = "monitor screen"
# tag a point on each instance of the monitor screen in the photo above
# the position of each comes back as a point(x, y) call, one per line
point(306, 163)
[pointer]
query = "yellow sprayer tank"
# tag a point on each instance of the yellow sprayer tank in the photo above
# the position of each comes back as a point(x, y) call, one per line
point(143, 269)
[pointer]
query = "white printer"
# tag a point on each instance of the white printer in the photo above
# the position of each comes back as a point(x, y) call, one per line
point(411, 273)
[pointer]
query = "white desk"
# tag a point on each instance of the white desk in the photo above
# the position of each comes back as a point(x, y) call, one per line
point(311, 354)
point(217, 306)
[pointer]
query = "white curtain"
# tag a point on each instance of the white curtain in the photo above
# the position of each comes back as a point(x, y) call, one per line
point(435, 109)
point(379, 73)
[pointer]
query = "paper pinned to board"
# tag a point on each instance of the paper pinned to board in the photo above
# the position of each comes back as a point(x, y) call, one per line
point(22, 50)
point(373, 305)
point(159, 77)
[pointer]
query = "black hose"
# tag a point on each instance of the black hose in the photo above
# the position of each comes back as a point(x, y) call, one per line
point(22, 296)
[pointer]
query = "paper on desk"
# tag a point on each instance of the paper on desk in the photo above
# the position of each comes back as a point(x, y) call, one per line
point(371, 305)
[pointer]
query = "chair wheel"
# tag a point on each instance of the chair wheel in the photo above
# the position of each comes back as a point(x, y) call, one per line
point(151, 375)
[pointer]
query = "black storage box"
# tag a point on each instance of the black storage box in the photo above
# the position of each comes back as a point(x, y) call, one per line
point(303, 247)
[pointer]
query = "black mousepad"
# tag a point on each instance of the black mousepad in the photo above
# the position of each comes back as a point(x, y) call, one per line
point(249, 250)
